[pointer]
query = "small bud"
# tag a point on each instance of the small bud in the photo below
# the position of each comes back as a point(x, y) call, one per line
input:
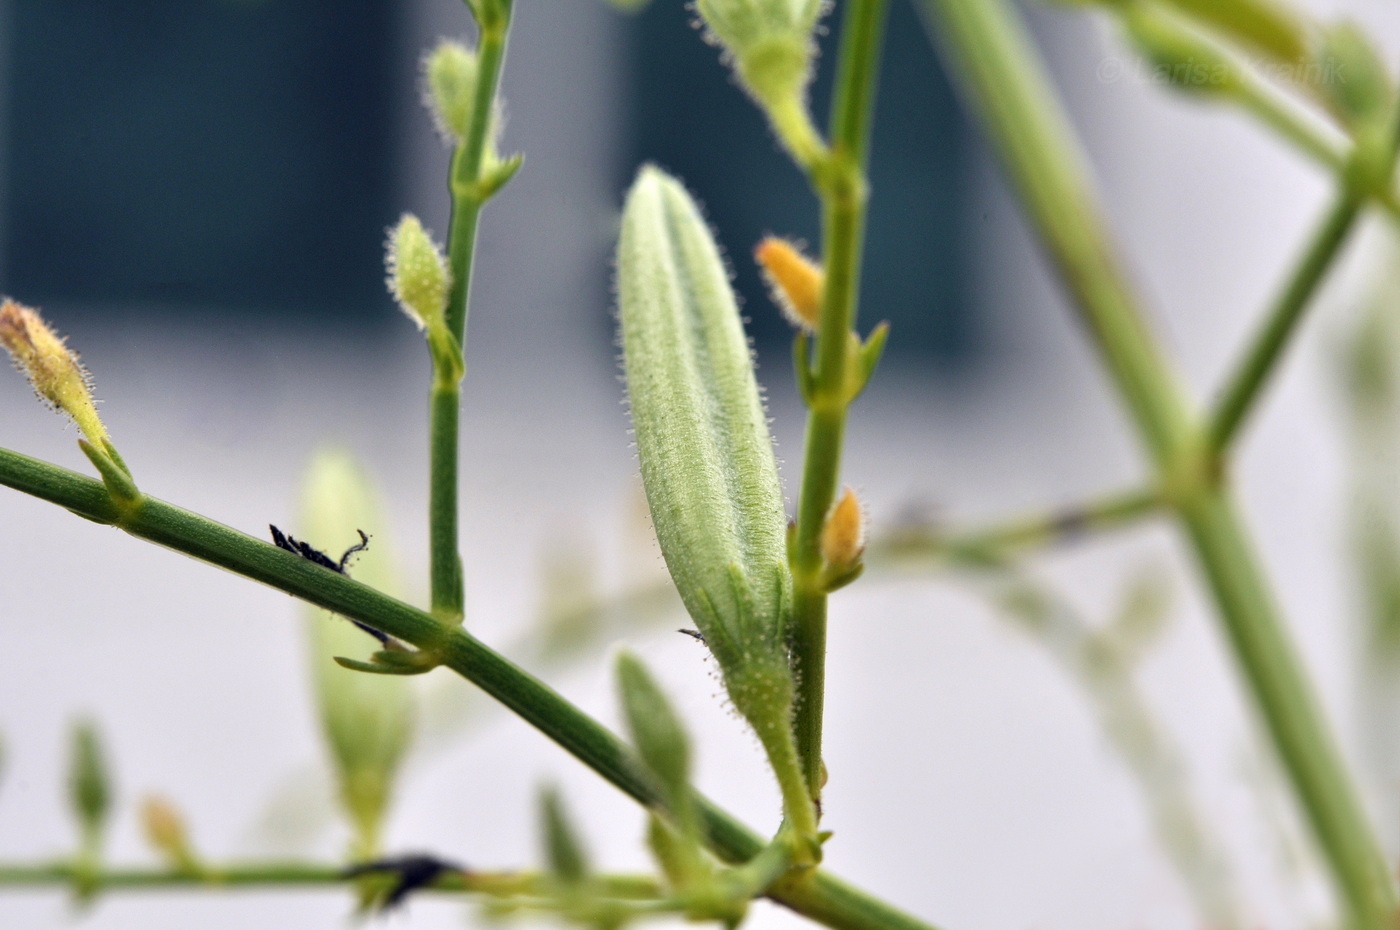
point(89, 791)
point(770, 42)
point(1353, 80)
point(58, 377)
point(563, 850)
point(165, 831)
point(418, 276)
point(1180, 56)
point(657, 733)
point(843, 536)
point(449, 88)
point(795, 282)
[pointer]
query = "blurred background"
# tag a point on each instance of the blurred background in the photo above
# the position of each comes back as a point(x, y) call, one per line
point(197, 194)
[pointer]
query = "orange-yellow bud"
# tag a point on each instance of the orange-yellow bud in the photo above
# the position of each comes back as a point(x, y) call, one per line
point(843, 536)
point(58, 377)
point(794, 281)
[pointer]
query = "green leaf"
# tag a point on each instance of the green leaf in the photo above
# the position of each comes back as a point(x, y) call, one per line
point(368, 720)
point(656, 731)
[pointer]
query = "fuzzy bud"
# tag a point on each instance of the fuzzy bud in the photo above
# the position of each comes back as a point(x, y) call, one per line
point(843, 535)
point(89, 786)
point(54, 369)
point(769, 41)
point(795, 282)
point(418, 276)
point(165, 831)
point(449, 88)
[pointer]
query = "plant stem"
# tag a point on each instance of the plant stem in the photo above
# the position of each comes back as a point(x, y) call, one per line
point(284, 874)
point(448, 596)
point(840, 183)
point(998, 540)
point(1262, 356)
point(999, 69)
point(816, 893)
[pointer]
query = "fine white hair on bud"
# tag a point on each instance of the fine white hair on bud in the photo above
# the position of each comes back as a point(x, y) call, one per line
point(418, 276)
point(449, 88)
point(54, 370)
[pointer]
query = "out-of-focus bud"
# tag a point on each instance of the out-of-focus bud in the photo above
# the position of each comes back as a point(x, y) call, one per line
point(769, 42)
point(165, 831)
point(1180, 55)
point(449, 88)
point(367, 720)
point(59, 378)
point(795, 282)
point(89, 789)
point(1267, 27)
point(563, 851)
point(418, 275)
point(1352, 76)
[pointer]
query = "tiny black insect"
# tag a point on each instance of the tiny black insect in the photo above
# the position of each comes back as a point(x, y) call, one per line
point(411, 873)
point(693, 634)
point(317, 557)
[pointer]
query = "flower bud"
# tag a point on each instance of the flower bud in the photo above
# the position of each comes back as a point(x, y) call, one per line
point(165, 831)
point(843, 535)
point(89, 789)
point(449, 88)
point(54, 369)
point(418, 275)
point(769, 41)
point(795, 282)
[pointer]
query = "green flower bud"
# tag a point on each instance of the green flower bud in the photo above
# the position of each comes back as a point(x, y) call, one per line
point(656, 731)
point(449, 88)
point(769, 41)
point(418, 275)
point(54, 370)
point(367, 720)
point(707, 461)
point(1353, 79)
point(1263, 26)
point(563, 850)
point(89, 788)
point(1180, 56)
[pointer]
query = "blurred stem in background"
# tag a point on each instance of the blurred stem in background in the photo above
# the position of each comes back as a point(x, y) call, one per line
point(1005, 84)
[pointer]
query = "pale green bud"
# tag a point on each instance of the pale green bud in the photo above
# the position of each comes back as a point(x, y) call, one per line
point(89, 787)
point(707, 461)
point(1352, 76)
point(54, 370)
point(367, 720)
point(1268, 27)
point(656, 731)
point(1180, 56)
point(769, 41)
point(418, 275)
point(449, 88)
point(564, 852)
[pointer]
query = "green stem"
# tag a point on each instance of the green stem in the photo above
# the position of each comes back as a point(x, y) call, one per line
point(286, 874)
point(817, 894)
point(998, 66)
point(465, 185)
point(840, 183)
point(1262, 356)
point(1018, 534)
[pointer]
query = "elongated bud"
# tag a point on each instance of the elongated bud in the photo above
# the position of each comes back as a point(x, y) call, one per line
point(367, 720)
point(89, 789)
point(657, 733)
point(449, 88)
point(1353, 79)
point(418, 275)
point(1268, 27)
point(843, 535)
point(54, 369)
point(563, 850)
point(769, 41)
point(795, 282)
point(1180, 56)
point(165, 831)
point(707, 461)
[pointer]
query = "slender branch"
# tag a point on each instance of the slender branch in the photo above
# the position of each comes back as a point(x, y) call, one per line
point(1261, 358)
point(998, 66)
point(814, 893)
point(997, 540)
point(468, 197)
point(840, 183)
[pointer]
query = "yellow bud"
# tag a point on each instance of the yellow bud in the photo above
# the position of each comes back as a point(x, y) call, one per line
point(165, 830)
point(843, 536)
point(58, 377)
point(794, 281)
point(418, 276)
point(449, 78)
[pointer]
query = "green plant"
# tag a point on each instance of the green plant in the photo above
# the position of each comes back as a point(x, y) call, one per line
point(757, 587)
